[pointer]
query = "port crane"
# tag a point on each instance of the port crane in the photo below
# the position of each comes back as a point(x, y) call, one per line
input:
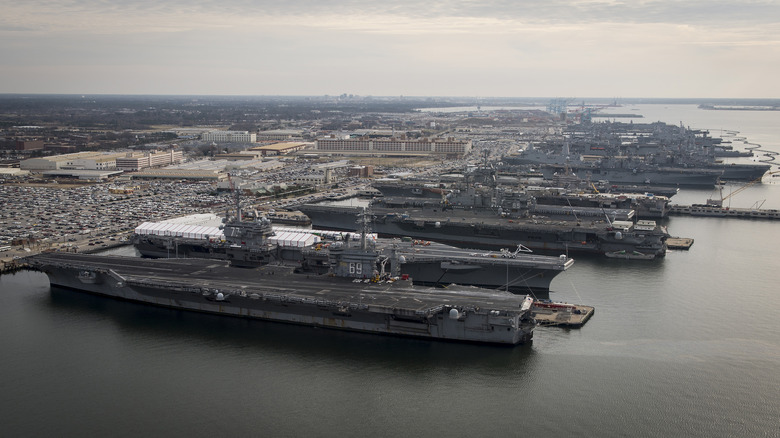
point(719, 202)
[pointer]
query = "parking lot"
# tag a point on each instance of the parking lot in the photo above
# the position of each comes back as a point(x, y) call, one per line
point(40, 217)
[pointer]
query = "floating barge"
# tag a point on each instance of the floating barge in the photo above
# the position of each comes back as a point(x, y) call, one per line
point(679, 242)
point(548, 313)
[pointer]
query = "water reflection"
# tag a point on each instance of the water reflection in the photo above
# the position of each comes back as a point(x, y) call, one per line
point(239, 337)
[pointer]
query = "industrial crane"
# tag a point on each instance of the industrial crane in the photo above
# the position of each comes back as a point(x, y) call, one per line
point(719, 202)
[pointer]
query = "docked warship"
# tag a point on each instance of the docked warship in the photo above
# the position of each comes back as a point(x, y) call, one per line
point(551, 229)
point(435, 189)
point(488, 215)
point(251, 243)
point(362, 291)
point(621, 170)
point(469, 229)
point(645, 203)
point(622, 153)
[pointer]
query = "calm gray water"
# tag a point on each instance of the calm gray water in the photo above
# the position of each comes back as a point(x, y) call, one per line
point(685, 346)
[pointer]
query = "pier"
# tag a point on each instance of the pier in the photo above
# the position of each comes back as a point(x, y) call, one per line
point(548, 313)
point(723, 212)
point(12, 266)
point(679, 242)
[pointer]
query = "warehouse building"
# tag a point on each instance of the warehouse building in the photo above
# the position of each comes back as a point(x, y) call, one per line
point(281, 148)
point(137, 160)
point(229, 137)
point(199, 175)
point(450, 148)
point(78, 160)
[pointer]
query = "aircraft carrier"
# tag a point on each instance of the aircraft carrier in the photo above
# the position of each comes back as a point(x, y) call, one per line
point(353, 296)
point(553, 229)
point(251, 243)
point(646, 203)
point(637, 174)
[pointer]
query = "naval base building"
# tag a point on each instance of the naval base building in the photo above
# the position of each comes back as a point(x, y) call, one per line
point(450, 147)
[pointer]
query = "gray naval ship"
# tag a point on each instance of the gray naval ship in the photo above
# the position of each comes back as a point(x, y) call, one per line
point(251, 243)
point(435, 189)
point(634, 153)
point(645, 203)
point(362, 291)
point(491, 217)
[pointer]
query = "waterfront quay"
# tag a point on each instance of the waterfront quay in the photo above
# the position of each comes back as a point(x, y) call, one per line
point(548, 313)
point(724, 212)
point(679, 242)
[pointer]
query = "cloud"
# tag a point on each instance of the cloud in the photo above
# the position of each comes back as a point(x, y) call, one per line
point(153, 15)
point(399, 47)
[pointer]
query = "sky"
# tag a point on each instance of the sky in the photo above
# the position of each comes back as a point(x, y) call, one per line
point(480, 48)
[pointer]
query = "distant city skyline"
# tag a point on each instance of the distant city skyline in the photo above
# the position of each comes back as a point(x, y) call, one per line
point(494, 48)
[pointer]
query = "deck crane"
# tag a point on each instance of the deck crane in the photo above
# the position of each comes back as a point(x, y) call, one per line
point(719, 202)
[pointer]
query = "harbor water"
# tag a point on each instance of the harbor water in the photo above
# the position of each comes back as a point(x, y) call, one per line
point(688, 345)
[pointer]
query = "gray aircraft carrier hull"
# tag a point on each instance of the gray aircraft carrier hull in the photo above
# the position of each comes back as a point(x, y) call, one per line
point(274, 293)
point(428, 263)
point(436, 264)
point(465, 230)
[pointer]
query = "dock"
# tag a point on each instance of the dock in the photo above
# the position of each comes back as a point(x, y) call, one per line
point(11, 266)
point(724, 212)
point(549, 313)
point(679, 242)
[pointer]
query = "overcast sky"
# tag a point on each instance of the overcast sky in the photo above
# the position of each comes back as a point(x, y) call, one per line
point(536, 48)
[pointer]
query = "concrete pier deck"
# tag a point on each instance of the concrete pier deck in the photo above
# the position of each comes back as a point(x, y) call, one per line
point(679, 242)
point(564, 315)
point(721, 212)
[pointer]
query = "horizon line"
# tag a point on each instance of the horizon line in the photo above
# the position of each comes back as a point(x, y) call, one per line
point(397, 96)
